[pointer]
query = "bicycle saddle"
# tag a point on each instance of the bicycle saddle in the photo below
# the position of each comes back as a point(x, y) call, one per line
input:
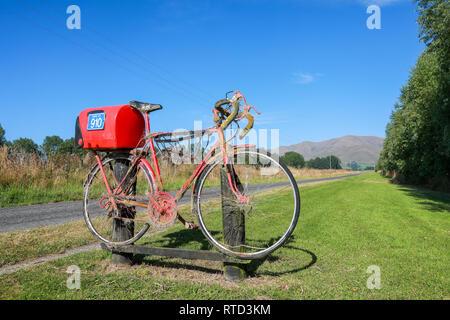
point(144, 106)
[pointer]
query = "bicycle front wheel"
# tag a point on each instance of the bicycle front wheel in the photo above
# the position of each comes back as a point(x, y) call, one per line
point(254, 227)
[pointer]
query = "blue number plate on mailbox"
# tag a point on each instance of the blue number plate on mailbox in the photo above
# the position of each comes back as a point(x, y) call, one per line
point(96, 121)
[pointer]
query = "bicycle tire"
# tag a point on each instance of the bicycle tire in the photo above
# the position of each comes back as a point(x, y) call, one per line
point(209, 234)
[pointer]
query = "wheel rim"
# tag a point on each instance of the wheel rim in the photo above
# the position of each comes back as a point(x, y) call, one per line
point(267, 227)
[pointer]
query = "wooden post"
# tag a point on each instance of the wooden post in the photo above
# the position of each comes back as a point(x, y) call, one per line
point(233, 225)
point(123, 230)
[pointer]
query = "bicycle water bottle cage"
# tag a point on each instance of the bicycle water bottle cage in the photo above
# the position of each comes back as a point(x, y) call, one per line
point(145, 107)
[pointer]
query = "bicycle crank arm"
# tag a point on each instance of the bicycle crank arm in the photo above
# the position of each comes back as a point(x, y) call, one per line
point(187, 224)
point(133, 203)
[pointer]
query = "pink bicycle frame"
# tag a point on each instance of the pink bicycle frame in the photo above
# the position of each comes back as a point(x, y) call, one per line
point(156, 174)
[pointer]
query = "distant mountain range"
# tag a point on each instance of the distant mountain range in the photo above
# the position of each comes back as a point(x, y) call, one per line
point(362, 149)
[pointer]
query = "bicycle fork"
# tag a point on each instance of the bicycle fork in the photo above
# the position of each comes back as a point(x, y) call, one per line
point(230, 170)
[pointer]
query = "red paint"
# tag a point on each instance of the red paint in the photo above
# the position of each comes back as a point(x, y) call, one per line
point(123, 129)
point(154, 159)
point(108, 188)
point(144, 163)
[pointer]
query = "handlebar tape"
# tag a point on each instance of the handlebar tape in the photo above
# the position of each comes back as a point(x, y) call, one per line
point(249, 125)
point(230, 115)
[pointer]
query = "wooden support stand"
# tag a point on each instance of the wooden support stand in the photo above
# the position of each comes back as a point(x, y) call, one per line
point(233, 225)
point(170, 253)
point(123, 230)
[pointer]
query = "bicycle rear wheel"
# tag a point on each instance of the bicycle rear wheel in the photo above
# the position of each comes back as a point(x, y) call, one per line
point(98, 211)
point(264, 223)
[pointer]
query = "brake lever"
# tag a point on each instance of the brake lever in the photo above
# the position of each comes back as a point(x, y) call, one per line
point(247, 111)
point(248, 127)
point(257, 112)
point(251, 119)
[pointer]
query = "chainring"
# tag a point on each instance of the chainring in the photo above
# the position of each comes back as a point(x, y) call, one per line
point(162, 210)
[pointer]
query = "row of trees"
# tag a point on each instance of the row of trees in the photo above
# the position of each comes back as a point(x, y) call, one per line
point(296, 160)
point(417, 144)
point(51, 145)
point(355, 166)
point(330, 162)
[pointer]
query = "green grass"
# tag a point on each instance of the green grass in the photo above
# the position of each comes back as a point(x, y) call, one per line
point(17, 195)
point(19, 246)
point(345, 227)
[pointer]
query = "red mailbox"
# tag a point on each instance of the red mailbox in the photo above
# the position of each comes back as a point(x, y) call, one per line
point(109, 128)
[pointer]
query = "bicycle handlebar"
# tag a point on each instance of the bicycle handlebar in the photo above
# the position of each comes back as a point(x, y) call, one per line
point(248, 127)
point(234, 114)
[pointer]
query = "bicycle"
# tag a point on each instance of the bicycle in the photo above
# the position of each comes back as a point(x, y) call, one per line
point(262, 188)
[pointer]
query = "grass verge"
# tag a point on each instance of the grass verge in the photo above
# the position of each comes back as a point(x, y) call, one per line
point(345, 227)
point(19, 246)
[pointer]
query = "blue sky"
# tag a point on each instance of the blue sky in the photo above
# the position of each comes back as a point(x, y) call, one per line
point(312, 68)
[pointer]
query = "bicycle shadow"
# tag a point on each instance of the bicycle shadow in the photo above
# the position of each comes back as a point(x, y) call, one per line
point(177, 239)
point(180, 239)
point(253, 266)
point(141, 260)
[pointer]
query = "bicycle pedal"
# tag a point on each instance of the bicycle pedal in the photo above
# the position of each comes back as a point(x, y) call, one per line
point(191, 225)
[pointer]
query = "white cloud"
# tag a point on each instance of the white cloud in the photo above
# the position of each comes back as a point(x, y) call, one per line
point(305, 77)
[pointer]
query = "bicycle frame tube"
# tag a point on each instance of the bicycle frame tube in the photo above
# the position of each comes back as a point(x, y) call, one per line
point(152, 148)
point(219, 145)
point(108, 188)
point(111, 193)
point(209, 156)
point(196, 172)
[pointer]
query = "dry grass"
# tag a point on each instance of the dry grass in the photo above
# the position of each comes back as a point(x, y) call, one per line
point(376, 181)
point(30, 170)
point(30, 179)
point(308, 173)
